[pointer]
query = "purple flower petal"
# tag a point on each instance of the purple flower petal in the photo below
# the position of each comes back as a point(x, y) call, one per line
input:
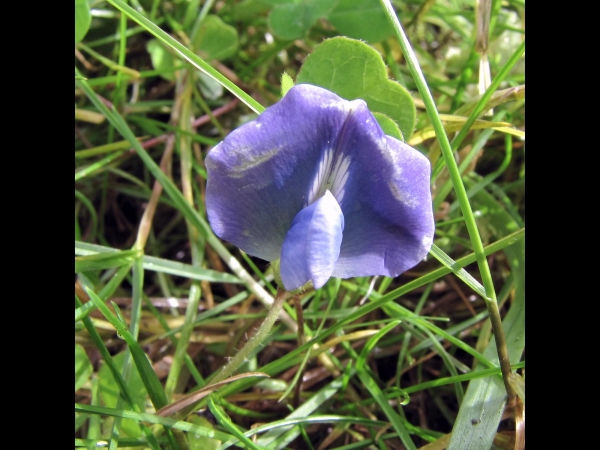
point(386, 202)
point(312, 246)
point(260, 176)
point(273, 182)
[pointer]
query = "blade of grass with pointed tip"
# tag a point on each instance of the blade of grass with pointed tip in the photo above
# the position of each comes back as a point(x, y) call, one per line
point(198, 395)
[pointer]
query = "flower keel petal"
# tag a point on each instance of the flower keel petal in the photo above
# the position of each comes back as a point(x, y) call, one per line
point(312, 245)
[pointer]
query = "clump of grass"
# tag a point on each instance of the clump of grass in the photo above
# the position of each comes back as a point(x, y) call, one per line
point(162, 305)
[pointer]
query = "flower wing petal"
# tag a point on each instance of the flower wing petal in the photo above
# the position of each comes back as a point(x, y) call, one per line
point(312, 245)
point(260, 176)
point(386, 204)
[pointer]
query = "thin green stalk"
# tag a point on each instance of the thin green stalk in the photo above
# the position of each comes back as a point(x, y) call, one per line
point(195, 241)
point(154, 9)
point(94, 429)
point(115, 37)
point(404, 349)
point(478, 144)
point(154, 419)
point(134, 328)
point(100, 150)
point(203, 12)
point(88, 170)
point(492, 176)
point(119, 91)
point(188, 361)
point(109, 63)
point(93, 216)
point(459, 188)
point(255, 340)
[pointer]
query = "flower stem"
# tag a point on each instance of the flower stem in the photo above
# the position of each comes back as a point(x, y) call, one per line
point(256, 339)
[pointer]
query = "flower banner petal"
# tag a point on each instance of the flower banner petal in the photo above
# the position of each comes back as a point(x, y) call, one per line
point(312, 245)
point(261, 175)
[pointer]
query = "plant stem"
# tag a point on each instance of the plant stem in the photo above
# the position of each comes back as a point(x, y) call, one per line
point(461, 194)
point(256, 339)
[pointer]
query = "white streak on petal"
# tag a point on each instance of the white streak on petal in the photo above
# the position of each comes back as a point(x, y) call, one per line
point(403, 197)
point(332, 175)
point(251, 162)
point(337, 180)
point(426, 242)
point(316, 190)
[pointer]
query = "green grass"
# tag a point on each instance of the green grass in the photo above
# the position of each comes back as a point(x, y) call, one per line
point(162, 304)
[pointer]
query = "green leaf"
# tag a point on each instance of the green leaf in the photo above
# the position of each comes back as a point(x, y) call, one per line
point(216, 39)
point(352, 70)
point(198, 442)
point(361, 19)
point(286, 84)
point(210, 88)
point(248, 10)
point(83, 19)
point(161, 59)
point(293, 19)
point(110, 392)
point(388, 126)
point(83, 366)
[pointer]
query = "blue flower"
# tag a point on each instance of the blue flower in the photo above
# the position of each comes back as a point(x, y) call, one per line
point(315, 182)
